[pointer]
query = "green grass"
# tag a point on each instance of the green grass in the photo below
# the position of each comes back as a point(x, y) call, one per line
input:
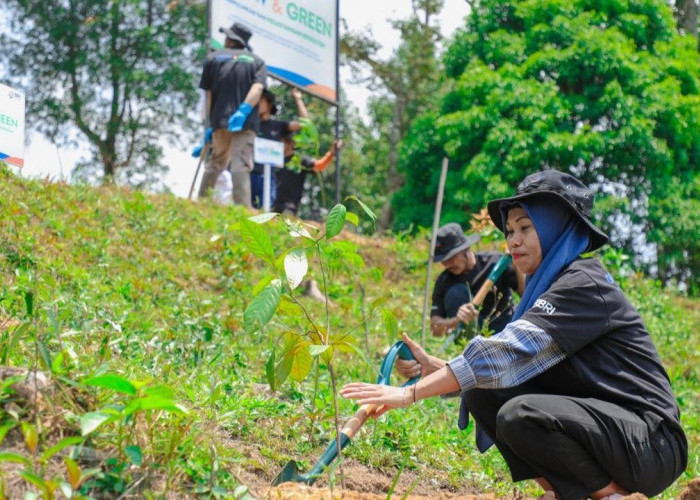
point(153, 288)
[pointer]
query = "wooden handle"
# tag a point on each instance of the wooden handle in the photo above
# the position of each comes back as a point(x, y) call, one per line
point(358, 420)
point(481, 294)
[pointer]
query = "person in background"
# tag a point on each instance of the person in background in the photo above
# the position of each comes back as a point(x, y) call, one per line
point(274, 130)
point(572, 391)
point(233, 79)
point(465, 272)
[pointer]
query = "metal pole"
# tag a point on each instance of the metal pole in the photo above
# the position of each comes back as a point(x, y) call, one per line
point(267, 185)
point(337, 98)
point(433, 237)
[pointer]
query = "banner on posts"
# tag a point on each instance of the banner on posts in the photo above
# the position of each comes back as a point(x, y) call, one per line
point(11, 125)
point(296, 39)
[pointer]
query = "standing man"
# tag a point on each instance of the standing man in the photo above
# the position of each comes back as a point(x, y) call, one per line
point(233, 79)
point(465, 272)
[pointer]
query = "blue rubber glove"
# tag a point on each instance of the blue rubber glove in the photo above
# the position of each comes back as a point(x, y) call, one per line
point(207, 139)
point(237, 120)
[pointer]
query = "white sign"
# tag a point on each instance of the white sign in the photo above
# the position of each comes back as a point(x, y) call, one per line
point(11, 125)
point(267, 152)
point(296, 39)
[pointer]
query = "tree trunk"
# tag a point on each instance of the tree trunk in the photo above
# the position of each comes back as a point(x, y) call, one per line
point(394, 180)
point(687, 16)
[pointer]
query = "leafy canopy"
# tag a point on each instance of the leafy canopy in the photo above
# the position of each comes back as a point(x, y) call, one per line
point(604, 89)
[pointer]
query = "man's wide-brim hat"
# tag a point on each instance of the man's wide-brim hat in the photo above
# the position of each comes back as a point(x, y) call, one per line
point(553, 184)
point(239, 32)
point(451, 240)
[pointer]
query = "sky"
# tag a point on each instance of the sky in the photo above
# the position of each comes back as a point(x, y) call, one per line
point(44, 159)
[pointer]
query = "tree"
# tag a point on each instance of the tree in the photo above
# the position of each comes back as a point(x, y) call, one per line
point(607, 90)
point(120, 72)
point(686, 12)
point(408, 83)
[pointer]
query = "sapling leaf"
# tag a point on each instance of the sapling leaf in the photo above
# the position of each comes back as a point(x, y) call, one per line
point(45, 354)
point(390, 323)
point(317, 350)
point(61, 445)
point(379, 301)
point(352, 218)
point(364, 207)
point(283, 368)
point(263, 218)
point(257, 240)
point(270, 371)
point(288, 307)
point(335, 220)
point(296, 266)
point(302, 362)
point(73, 470)
point(262, 307)
point(261, 284)
point(111, 381)
point(92, 420)
point(160, 391)
point(133, 452)
point(297, 230)
point(4, 430)
point(31, 438)
point(8, 456)
point(19, 331)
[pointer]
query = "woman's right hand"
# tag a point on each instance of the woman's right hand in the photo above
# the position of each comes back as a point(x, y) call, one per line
point(422, 365)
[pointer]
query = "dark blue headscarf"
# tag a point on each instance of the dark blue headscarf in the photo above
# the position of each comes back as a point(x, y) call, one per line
point(562, 238)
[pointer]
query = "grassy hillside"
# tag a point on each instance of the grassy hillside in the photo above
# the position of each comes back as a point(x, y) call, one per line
point(134, 306)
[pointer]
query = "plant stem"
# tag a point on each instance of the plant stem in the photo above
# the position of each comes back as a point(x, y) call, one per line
point(337, 422)
point(364, 316)
point(325, 295)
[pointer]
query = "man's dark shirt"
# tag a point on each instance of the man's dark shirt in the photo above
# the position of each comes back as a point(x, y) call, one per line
point(229, 74)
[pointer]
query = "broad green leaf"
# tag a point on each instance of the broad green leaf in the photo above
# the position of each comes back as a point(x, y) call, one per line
point(288, 307)
point(257, 240)
point(4, 430)
point(134, 454)
point(153, 403)
point(57, 363)
point(335, 220)
point(61, 445)
point(301, 364)
point(352, 218)
point(73, 472)
point(260, 285)
point(111, 381)
point(29, 302)
point(283, 369)
point(262, 307)
point(37, 481)
point(390, 323)
point(17, 334)
point(160, 391)
point(317, 350)
point(270, 371)
point(31, 438)
point(379, 301)
point(364, 207)
point(263, 218)
point(296, 266)
point(92, 420)
point(327, 355)
point(45, 354)
point(297, 230)
point(349, 346)
point(7, 456)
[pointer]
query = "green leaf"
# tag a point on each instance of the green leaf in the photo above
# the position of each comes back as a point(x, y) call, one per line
point(352, 218)
point(364, 207)
point(37, 481)
point(57, 363)
point(283, 369)
point(297, 230)
point(160, 391)
point(111, 381)
point(257, 240)
point(270, 371)
point(335, 220)
point(296, 361)
point(31, 438)
point(62, 444)
point(317, 350)
point(17, 334)
point(390, 323)
point(45, 354)
point(4, 430)
point(262, 307)
point(92, 420)
point(263, 218)
point(153, 403)
point(73, 472)
point(288, 307)
point(29, 302)
point(14, 457)
point(134, 454)
point(296, 266)
point(379, 301)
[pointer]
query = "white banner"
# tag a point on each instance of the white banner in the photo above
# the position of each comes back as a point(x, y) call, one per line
point(11, 125)
point(295, 38)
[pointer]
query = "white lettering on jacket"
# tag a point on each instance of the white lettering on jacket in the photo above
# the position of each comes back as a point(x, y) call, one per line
point(545, 306)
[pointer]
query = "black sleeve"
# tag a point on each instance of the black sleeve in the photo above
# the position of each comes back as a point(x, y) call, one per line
point(438, 307)
point(572, 311)
point(205, 81)
point(307, 162)
point(260, 71)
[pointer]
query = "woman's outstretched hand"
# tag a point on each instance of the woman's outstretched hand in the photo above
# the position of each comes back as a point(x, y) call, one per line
point(386, 397)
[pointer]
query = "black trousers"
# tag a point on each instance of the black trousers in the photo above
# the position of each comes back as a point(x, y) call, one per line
point(579, 445)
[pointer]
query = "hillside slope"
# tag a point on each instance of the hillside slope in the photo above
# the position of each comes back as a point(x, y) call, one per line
point(133, 306)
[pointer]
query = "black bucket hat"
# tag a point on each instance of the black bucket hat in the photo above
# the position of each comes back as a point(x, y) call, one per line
point(239, 32)
point(559, 186)
point(451, 240)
